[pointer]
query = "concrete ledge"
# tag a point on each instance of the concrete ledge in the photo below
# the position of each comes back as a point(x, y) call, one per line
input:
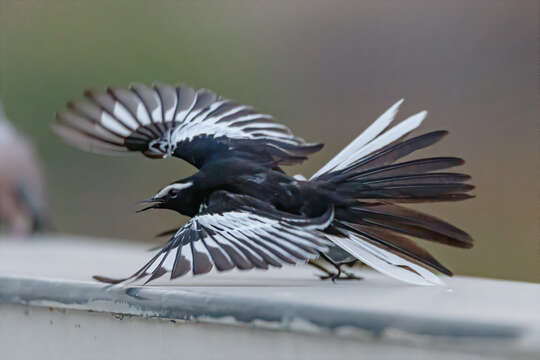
point(483, 316)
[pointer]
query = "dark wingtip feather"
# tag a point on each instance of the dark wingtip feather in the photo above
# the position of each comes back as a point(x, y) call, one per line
point(444, 270)
point(159, 272)
point(431, 137)
point(314, 147)
point(467, 245)
point(89, 93)
point(107, 280)
point(441, 133)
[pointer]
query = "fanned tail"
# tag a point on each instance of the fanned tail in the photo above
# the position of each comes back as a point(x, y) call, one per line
point(373, 228)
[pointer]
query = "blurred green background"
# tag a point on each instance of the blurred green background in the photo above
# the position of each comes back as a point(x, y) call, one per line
point(325, 68)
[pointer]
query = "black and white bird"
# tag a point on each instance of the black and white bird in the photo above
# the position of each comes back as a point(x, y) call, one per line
point(246, 212)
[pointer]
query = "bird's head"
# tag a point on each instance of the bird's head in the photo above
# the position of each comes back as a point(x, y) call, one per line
point(172, 197)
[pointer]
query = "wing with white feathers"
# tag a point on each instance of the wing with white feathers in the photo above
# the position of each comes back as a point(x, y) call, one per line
point(163, 120)
point(236, 231)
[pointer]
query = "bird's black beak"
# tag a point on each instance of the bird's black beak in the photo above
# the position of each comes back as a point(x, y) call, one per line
point(156, 203)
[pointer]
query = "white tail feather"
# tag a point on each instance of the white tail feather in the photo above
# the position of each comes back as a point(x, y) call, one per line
point(371, 139)
point(401, 129)
point(365, 137)
point(385, 262)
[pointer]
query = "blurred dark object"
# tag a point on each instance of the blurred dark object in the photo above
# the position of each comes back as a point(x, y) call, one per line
point(22, 198)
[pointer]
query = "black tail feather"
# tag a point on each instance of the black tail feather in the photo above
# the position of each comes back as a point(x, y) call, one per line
point(387, 155)
point(399, 192)
point(415, 179)
point(391, 217)
point(368, 184)
point(392, 153)
point(419, 166)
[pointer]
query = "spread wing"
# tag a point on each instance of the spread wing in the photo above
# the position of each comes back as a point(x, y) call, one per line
point(236, 231)
point(163, 120)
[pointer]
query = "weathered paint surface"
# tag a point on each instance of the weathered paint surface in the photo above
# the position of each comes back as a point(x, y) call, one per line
point(181, 304)
point(291, 299)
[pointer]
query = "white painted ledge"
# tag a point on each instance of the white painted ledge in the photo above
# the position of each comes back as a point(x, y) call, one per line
point(474, 317)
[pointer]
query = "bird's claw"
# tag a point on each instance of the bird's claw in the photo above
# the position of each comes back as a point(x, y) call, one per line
point(343, 276)
point(330, 275)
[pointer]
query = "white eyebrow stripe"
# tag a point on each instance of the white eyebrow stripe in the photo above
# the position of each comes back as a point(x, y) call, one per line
point(178, 186)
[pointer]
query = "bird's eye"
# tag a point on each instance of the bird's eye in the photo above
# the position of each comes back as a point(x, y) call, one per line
point(173, 194)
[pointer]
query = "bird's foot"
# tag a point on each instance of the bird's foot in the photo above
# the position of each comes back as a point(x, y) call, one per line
point(331, 275)
point(344, 275)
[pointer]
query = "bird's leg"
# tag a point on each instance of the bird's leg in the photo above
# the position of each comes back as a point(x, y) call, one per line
point(329, 274)
point(347, 275)
point(340, 275)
